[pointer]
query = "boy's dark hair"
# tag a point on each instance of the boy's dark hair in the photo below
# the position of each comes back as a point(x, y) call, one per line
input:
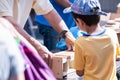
point(88, 19)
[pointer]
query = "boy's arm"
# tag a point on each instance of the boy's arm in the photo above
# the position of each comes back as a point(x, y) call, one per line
point(42, 50)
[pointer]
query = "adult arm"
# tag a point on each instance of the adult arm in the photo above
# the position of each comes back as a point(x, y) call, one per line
point(6, 11)
point(63, 3)
point(44, 7)
point(42, 50)
point(59, 25)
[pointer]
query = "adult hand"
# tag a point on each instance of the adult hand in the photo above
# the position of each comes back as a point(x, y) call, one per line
point(46, 55)
point(70, 41)
point(42, 51)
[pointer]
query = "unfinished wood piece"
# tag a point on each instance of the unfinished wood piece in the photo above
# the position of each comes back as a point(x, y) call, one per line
point(57, 67)
point(60, 63)
point(60, 66)
point(70, 54)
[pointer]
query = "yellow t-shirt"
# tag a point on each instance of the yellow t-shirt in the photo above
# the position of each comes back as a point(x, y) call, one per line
point(20, 9)
point(96, 55)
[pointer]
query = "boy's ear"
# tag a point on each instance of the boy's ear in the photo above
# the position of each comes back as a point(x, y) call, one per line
point(76, 20)
point(79, 21)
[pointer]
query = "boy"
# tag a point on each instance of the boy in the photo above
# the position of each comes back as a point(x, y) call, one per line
point(95, 51)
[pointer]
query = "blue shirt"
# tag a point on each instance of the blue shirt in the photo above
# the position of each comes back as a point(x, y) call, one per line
point(66, 17)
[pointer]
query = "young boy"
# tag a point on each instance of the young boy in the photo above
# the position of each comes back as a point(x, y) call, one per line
point(95, 51)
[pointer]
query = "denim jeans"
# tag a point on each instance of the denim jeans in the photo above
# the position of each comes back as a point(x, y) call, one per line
point(50, 36)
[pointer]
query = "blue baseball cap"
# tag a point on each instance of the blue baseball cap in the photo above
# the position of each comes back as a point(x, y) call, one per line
point(85, 7)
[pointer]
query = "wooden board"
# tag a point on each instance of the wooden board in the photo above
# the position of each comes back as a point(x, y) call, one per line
point(61, 63)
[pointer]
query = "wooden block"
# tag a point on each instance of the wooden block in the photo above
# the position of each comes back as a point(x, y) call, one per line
point(57, 67)
point(65, 53)
point(70, 54)
point(61, 62)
